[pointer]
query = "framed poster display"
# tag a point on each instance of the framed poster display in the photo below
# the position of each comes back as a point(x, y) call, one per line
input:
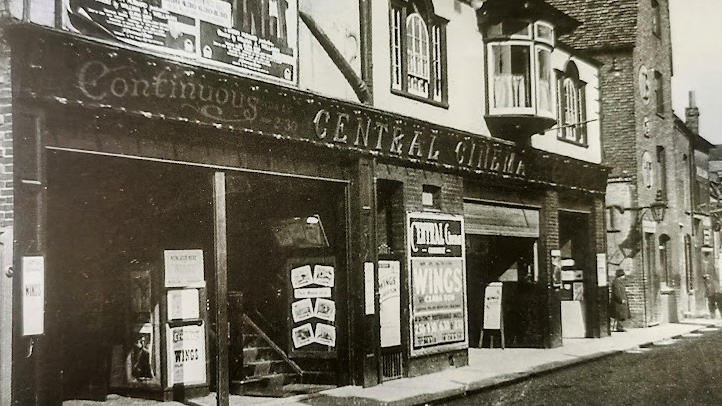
point(437, 282)
point(256, 37)
point(312, 307)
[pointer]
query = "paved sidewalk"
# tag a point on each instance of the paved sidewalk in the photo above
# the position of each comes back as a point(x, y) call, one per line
point(487, 368)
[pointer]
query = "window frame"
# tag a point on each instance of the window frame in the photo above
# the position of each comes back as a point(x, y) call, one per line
point(535, 45)
point(436, 51)
point(659, 91)
point(578, 127)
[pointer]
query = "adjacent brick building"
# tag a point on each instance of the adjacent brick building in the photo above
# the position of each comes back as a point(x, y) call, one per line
point(649, 156)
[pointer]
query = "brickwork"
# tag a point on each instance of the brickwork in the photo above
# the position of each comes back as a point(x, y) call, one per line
point(548, 241)
point(6, 138)
point(632, 125)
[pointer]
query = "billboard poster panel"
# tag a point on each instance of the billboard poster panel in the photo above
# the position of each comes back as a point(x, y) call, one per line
point(186, 355)
point(437, 278)
point(259, 37)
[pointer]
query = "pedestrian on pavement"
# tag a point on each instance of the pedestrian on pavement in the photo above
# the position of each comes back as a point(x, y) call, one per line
point(713, 294)
point(619, 301)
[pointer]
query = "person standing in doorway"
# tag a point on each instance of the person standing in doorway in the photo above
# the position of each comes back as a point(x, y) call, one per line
point(619, 301)
point(713, 295)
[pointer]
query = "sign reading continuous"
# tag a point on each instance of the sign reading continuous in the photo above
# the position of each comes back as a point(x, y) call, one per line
point(437, 282)
point(255, 36)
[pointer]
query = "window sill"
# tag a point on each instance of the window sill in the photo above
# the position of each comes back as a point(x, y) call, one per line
point(577, 143)
point(444, 105)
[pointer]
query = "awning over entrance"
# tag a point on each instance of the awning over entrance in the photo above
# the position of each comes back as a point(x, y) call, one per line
point(486, 219)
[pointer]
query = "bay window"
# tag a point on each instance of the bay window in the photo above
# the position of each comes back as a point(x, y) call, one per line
point(520, 71)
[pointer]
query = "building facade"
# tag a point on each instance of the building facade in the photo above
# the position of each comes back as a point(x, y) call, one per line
point(649, 155)
point(232, 196)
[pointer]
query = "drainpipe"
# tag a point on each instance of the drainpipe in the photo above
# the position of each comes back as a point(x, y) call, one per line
point(367, 64)
point(358, 85)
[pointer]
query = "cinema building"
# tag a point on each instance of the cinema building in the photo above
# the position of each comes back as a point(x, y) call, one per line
point(231, 197)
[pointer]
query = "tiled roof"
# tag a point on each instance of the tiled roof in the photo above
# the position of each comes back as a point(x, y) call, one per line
point(605, 23)
point(715, 154)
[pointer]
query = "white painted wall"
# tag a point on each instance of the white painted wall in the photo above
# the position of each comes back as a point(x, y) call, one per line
point(589, 74)
point(465, 70)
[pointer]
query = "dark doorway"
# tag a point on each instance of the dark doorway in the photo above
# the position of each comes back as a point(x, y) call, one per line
point(509, 260)
point(109, 222)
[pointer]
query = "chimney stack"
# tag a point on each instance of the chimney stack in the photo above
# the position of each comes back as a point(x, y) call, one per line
point(691, 115)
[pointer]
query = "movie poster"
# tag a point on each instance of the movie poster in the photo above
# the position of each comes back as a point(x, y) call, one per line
point(259, 37)
point(312, 305)
point(437, 282)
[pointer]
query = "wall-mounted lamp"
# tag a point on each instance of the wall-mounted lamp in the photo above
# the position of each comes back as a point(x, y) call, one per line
point(658, 207)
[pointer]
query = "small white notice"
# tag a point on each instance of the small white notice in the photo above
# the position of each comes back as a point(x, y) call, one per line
point(184, 268)
point(33, 295)
point(492, 306)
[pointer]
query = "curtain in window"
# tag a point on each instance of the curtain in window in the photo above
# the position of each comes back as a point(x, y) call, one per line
point(512, 84)
point(544, 81)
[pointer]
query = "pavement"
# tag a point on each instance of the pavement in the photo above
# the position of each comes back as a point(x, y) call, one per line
point(487, 369)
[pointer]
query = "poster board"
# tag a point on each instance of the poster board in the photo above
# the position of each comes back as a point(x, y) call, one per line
point(186, 356)
point(312, 306)
point(492, 306)
point(390, 303)
point(33, 291)
point(437, 282)
point(257, 37)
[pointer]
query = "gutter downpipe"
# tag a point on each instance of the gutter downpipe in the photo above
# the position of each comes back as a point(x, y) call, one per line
point(357, 84)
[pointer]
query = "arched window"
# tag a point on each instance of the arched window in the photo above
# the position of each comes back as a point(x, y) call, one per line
point(418, 46)
point(417, 50)
point(571, 106)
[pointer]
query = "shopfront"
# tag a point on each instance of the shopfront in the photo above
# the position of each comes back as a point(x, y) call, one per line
point(164, 207)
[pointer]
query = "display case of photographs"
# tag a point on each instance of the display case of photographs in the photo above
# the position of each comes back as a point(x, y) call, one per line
point(312, 307)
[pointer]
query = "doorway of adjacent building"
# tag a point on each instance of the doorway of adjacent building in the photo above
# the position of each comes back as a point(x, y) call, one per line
point(576, 268)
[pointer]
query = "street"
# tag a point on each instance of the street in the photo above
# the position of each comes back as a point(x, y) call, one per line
point(682, 371)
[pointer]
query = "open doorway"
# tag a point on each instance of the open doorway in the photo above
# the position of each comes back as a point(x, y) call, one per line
point(110, 222)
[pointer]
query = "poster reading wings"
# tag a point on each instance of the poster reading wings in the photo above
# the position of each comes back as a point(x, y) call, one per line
point(259, 37)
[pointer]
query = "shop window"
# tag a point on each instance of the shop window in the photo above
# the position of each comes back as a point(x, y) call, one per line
point(659, 90)
point(656, 19)
point(431, 197)
point(571, 107)
point(418, 51)
point(520, 72)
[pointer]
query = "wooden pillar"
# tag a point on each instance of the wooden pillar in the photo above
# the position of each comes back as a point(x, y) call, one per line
point(221, 288)
point(363, 329)
point(598, 245)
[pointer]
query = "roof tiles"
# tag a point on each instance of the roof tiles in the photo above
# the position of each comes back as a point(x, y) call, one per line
point(605, 23)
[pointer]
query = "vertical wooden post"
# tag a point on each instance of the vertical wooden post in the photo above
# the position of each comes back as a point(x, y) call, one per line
point(221, 287)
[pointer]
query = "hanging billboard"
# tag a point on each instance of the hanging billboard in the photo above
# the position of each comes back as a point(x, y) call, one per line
point(437, 282)
point(258, 37)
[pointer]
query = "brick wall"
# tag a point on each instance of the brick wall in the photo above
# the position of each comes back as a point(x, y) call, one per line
point(617, 88)
point(6, 138)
